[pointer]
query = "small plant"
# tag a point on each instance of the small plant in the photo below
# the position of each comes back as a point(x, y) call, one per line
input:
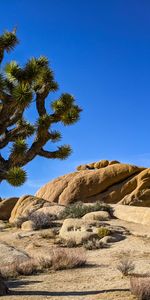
point(93, 244)
point(18, 268)
point(140, 287)
point(125, 266)
point(47, 235)
point(103, 231)
point(79, 209)
point(42, 220)
point(67, 258)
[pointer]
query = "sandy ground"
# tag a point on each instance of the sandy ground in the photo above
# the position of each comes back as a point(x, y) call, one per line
point(99, 280)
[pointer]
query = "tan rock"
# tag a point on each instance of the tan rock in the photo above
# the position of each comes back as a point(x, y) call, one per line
point(25, 206)
point(134, 214)
point(78, 230)
point(87, 185)
point(101, 164)
point(9, 255)
point(81, 168)
point(6, 207)
point(97, 216)
point(53, 189)
point(28, 226)
point(112, 162)
point(140, 195)
point(53, 210)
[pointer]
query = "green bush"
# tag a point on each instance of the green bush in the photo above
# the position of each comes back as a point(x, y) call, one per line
point(103, 231)
point(79, 209)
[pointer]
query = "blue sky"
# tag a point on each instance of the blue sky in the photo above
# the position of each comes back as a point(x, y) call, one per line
point(100, 53)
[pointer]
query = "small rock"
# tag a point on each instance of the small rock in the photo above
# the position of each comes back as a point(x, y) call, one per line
point(28, 226)
point(97, 215)
point(112, 239)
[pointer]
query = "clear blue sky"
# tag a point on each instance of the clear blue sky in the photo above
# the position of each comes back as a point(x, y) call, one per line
point(100, 53)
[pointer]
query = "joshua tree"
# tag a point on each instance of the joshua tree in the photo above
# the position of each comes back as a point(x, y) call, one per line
point(20, 89)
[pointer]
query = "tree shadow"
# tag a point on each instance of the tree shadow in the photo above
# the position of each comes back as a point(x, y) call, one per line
point(20, 283)
point(55, 294)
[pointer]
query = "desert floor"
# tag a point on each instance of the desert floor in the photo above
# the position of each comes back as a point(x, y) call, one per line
point(99, 280)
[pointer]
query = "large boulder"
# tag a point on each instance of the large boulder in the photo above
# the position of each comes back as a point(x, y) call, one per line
point(78, 230)
point(140, 195)
point(6, 207)
point(9, 255)
point(134, 214)
point(90, 185)
point(25, 206)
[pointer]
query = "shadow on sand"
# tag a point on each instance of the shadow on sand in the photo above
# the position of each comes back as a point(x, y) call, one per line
point(16, 283)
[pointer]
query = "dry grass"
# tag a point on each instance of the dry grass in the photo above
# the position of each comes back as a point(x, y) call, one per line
point(58, 259)
point(140, 287)
point(125, 266)
point(68, 258)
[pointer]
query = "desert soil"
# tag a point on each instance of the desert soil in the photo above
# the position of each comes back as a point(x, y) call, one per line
point(99, 280)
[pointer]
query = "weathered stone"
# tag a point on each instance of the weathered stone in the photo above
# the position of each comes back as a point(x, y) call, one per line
point(112, 239)
point(88, 185)
point(28, 226)
point(101, 164)
point(132, 213)
point(26, 206)
point(6, 207)
point(97, 216)
point(78, 230)
point(9, 255)
point(140, 195)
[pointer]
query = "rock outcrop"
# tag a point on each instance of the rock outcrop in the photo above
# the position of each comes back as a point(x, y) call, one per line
point(133, 214)
point(107, 181)
point(31, 208)
point(6, 207)
point(25, 206)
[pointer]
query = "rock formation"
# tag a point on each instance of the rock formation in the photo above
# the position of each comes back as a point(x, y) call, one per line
point(108, 181)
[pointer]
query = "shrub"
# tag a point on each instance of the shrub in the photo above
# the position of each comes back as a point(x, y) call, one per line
point(93, 244)
point(79, 209)
point(140, 287)
point(47, 235)
point(17, 268)
point(58, 259)
point(42, 220)
point(125, 266)
point(103, 231)
point(67, 259)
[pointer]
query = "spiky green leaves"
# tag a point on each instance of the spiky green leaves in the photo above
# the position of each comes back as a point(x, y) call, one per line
point(8, 41)
point(12, 71)
point(16, 176)
point(18, 150)
point(63, 152)
point(19, 147)
point(66, 108)
point(55, 136)
point(22, 94)
point(19, 87)
point(26, 129)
